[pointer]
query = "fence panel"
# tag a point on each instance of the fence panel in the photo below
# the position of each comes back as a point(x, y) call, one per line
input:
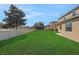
point(9, 33)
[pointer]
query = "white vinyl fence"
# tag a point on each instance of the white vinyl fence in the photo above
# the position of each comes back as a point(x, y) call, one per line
point(9, 33)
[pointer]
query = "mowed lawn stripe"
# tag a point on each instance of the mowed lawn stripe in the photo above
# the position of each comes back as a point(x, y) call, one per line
point(39, 43)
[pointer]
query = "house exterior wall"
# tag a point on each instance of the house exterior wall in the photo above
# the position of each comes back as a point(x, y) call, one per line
point(69, 16)
point(52, 26)
point(74, 34)
point(62, 19)
point(77, 11)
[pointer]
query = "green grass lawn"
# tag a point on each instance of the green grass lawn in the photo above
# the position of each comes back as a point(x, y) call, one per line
point(39, 43)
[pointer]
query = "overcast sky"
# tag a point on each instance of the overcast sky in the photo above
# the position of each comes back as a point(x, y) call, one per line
point(40, 12)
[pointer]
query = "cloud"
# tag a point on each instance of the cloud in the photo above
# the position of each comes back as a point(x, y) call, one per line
point(34, 14)
point(26, 10)
point(48, 14)
point(54, 14)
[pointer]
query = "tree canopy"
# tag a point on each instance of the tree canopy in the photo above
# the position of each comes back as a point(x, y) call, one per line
point(14, 17)
point(39, 25)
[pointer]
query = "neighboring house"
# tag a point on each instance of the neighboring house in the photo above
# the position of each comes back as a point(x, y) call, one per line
point(68, 25)
point(47, 27)
point(53, 25)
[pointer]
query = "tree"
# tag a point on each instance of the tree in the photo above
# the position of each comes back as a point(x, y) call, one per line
point(39, 25)
point(14, 17)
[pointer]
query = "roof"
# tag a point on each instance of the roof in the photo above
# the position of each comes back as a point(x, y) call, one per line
point(69, 12)
point(53, 22)
point(77, 16)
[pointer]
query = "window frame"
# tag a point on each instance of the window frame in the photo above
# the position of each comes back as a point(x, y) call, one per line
point(60, 26)
point(74, 13)
point(68, 26)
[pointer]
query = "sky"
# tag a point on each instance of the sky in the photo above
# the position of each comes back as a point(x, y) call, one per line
point(40, 12)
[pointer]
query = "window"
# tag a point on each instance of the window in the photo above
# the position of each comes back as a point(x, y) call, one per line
point(68, 26)
point(60, 27)
point(74, 13)
point(64, 18)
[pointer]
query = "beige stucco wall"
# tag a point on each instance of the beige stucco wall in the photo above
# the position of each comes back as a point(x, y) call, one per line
point(69, 15)
point(74, 35)
point(62, 19)
point(77, 11)
point(52, 26)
